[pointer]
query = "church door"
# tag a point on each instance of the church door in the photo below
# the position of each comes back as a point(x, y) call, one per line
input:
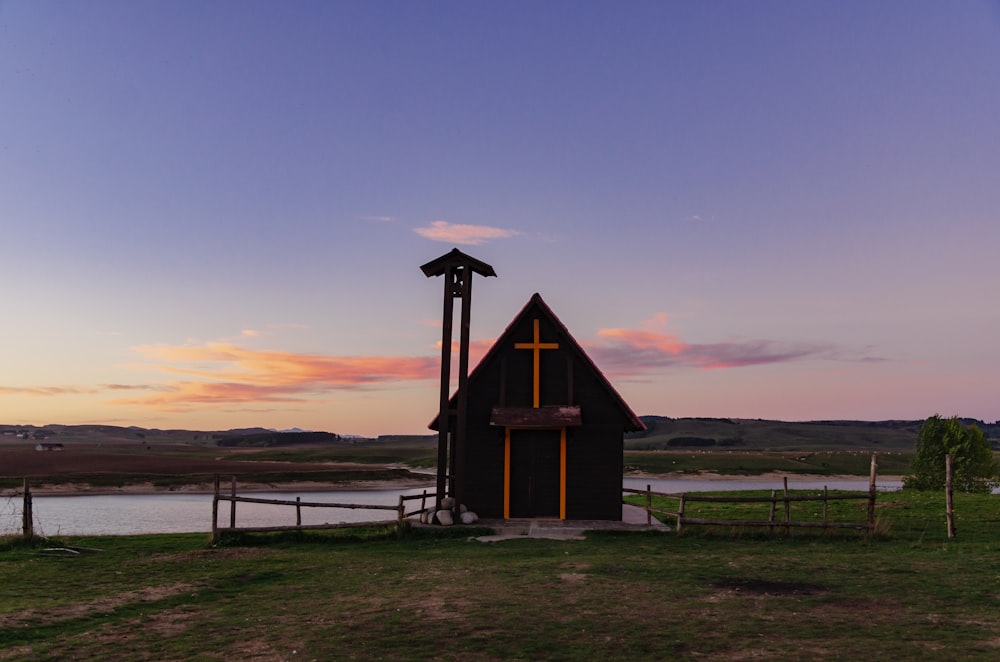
point(534, 473)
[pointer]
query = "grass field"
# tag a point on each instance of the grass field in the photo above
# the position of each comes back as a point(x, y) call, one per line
point(118, 465)
point(749, 463)
point(718, 594)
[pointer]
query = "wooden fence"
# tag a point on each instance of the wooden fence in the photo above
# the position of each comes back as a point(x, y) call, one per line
point(680, 516)
point(785, 499)
point(398, 510)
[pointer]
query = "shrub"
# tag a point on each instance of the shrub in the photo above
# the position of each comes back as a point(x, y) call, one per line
point(973, 466)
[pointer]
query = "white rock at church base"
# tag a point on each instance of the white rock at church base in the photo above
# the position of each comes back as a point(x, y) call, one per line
point(469, 517)
point(444, 518)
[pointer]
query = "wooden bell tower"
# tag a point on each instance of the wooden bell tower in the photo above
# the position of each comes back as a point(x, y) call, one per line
point(457, 269)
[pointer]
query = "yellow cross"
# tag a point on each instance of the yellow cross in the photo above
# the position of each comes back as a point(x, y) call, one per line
point(536, 345)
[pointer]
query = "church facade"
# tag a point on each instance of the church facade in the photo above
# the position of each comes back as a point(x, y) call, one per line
point(544, 429)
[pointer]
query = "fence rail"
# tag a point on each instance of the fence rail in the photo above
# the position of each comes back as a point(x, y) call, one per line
point(785, 499)
point(399, 510)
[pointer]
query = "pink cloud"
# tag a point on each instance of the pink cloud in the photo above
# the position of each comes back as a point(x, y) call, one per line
point(184, 396)
point(628, 352)
point(649, 337)
point(455, 233)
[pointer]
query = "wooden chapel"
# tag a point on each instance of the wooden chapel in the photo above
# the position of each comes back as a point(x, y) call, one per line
point(544, 428)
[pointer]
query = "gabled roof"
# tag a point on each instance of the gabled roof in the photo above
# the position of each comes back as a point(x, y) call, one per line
point(632, 422)
point(456, 258)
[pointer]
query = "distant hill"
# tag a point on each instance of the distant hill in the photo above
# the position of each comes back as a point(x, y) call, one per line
point(153, 437)
point(270, 439)
point(115, 434)
point(663, 433)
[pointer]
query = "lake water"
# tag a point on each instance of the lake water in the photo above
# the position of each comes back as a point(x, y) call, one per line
point(126, 514)
point(192, 513)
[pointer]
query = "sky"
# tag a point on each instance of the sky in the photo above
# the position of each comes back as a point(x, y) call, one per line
point(213, 214)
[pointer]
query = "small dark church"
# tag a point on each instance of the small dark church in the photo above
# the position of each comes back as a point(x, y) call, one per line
point(544, 429)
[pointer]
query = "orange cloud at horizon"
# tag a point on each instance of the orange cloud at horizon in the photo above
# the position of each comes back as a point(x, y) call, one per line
point(47, 391)
point(227, 373)
point(207, 377)
point(281, 367)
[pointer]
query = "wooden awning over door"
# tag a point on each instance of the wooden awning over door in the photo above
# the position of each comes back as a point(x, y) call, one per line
point(555, 416)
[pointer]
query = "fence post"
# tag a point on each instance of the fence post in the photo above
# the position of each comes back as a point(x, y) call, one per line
point(788, 508)
point(770, 515)
point(215, 511)
point(872, 474)
point(232, 505)
point(401, 512)
point(949, 496)
point(825, 503)
point(649, 505)
point(298, 512)
point(680, 514)
point(27, 514)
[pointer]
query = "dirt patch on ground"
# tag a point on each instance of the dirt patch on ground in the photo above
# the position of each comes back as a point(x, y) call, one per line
point(769, 587)
point(573, 577)
point(258, 649)
point(438, 608)
point(101, 605)
point(126, 635)
point(225, 554)
point(167, 623)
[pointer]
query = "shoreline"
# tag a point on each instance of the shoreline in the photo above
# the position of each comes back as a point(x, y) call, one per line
point(762, 477)
point(146, 489)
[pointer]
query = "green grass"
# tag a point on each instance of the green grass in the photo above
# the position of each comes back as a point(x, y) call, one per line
point(414, 454)
point(749, 463)
point(746, 434)
point(719, 594)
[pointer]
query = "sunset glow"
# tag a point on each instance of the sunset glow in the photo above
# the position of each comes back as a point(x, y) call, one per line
point(215, 218)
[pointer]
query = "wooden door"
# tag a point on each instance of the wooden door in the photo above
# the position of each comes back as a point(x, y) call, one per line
point(534, 473)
